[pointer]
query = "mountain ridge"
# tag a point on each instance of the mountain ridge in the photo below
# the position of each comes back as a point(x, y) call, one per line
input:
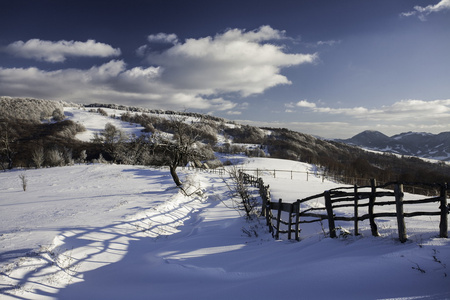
point(420, 144)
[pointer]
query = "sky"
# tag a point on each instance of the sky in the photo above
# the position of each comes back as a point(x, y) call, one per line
point(330, 68)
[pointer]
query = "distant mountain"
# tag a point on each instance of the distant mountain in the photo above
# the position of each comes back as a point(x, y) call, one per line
point(420, 144)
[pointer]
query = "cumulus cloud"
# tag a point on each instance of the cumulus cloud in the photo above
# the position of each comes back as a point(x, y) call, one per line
point(422, 12)
point(305, 103)
point(59, 51)
point(235, 61)
point(111, 82)
point(196, 74)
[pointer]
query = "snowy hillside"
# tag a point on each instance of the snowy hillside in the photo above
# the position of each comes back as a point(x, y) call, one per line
point(420, 144)
point(104, 231)
point(124, 232)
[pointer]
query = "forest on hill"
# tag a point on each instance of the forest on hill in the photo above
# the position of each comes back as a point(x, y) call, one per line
point(36, 133)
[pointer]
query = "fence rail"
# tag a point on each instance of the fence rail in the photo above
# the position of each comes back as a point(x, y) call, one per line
point(340, 197)
point(421, 188)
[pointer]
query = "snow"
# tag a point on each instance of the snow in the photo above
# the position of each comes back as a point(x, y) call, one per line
point(124, 232)
point(95, 123)
point(104, 231)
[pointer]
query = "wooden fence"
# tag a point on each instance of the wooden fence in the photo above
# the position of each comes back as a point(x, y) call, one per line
point(302, 175)
point(356, 197)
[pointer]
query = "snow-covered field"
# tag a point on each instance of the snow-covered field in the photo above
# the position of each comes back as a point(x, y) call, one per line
point(124, 232)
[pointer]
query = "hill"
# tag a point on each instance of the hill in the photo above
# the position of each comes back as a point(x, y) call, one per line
point(143, 137)
point(420, 144)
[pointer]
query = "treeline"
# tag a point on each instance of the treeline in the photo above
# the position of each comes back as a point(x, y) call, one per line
point(33, 110)
point(30, 144)
point(26, 142)
point(155, 111)
point(349, 162)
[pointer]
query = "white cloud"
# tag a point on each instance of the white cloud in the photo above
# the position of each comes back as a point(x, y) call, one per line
point(305, 103)
point(163, 38)
point(235, 61)
point(141, 50)
point(110, 82)
point(401, 110)
point(233, 113)
point(401, 116)
point(59, 51)
point(196, 74)
point(329, 43)
point(422, 12)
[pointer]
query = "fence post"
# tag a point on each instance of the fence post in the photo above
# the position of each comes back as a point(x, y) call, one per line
point(373, 225)
point(297, 219)
point(398, 190)
point(263, 194)
point(277, 234)
point(307, 176)
point(291, 211)
point(329, 208)
point(443, 224)
point(268, 206)
point(355, 189)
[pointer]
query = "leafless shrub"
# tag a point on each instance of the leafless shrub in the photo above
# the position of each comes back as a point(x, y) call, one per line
point(24, 181)
point(54, 158)
point(242, 198)
point(38, 157)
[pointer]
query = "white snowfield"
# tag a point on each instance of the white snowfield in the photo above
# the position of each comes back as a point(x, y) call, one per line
point(124, 232)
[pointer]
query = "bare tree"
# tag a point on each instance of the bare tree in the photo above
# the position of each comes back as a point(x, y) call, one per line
point(54, 158)
point(38, 157)
point(58, 115)
point(7, 142)
point(83, 156)
point(24, 180)
point(113, 141)
point(182, 147)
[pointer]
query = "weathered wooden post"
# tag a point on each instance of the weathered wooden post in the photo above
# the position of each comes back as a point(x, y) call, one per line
point(269, 216)
point(398, 191)
point(263, 194)
point(443, 224)
point(372, 198)
point(355, 190)
point(297, 219)
point(277, 234)
point(291, 211)
point(329, 207)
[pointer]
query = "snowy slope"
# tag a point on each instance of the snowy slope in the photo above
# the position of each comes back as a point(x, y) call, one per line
point(95, 122)
point(124, 232)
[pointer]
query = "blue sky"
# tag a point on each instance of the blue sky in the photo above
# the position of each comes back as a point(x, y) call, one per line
point(329, 68)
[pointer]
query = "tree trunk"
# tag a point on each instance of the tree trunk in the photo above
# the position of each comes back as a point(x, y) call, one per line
point(174, 174)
